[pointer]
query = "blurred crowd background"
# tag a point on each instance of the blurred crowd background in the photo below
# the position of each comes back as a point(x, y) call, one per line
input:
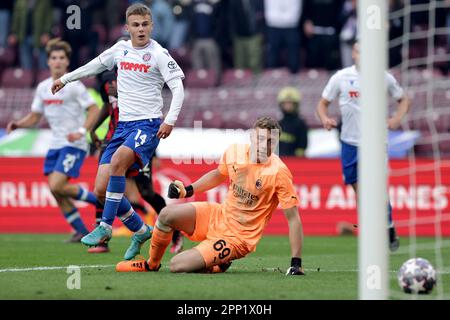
point(237, 54)
point(209, 34)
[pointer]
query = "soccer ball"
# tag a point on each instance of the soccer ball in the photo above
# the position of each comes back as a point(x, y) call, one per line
point(417, 275)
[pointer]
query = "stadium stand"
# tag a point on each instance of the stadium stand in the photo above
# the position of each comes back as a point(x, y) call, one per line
point(238, 104)
point(237, 97)
point(17, 78)
point(201, 78)
point(237, 78)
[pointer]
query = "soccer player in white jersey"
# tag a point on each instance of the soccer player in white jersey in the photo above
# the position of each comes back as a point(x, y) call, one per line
point(65, 113)
point(143, 68)
point(345, 85)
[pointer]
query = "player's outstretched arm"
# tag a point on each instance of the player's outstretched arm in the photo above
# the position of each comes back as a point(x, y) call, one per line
point(30, 120)
point(92, 68)
point(402, 109)
point(208, 181)
point(322, 112)
point(295, 240)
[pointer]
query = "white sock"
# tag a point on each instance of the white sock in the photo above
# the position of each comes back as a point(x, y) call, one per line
point(105, 225)
point(142, 230)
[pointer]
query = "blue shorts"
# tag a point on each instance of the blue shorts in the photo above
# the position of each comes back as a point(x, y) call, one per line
point(139, 136)
point(349, 159)
point(67, 160)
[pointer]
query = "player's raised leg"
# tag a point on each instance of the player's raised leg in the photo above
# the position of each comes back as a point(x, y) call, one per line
point(134, 223)
point(117, 204)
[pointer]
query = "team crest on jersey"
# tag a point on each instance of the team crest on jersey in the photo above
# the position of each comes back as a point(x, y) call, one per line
point(146, 57)
point(125, 52)
point(258, 184)
point(172, 65)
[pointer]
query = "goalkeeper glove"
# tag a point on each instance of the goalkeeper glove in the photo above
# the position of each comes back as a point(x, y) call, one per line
point(296, 268)
point(177, 190)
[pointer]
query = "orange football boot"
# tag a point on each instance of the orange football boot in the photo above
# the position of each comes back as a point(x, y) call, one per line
point(133, 266)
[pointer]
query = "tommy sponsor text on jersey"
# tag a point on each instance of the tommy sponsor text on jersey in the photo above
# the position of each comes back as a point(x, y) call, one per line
point(64, 111)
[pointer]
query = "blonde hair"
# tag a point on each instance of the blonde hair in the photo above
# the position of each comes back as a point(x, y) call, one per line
point(267, 123)
point(57, 44)
point(138, 9)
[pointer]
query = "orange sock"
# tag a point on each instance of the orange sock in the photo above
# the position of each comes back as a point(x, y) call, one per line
point(160, 241)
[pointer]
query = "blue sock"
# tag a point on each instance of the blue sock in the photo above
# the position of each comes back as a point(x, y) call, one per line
point(391, 223)
point(128, 216)
point(133, 222)
point(86, 196)
point(114, 195)
point(74, 219)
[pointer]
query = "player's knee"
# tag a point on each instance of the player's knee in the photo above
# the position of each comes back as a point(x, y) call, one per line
point(56, 189)
point(120, 162)
point(116, 168)
point(166, 216)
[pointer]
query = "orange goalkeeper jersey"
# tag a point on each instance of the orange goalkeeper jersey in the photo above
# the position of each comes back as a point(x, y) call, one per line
point(254, 193)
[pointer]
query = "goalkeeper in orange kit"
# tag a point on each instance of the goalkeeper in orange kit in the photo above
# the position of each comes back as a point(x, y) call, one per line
point(259, 181)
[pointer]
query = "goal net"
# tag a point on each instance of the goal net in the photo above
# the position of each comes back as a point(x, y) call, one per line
point(419, 188)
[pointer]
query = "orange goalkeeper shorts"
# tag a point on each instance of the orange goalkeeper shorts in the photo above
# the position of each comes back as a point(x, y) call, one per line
point(218, 243)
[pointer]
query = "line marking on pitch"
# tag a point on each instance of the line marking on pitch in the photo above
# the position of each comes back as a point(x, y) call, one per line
point(55, 268)
point(319, 270)
point(445, 271)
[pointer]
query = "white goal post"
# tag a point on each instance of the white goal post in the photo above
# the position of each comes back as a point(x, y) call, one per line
point(372, 199)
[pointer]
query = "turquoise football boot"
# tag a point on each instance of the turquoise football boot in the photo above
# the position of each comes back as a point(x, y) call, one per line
point(137, 240)
point(98, 236)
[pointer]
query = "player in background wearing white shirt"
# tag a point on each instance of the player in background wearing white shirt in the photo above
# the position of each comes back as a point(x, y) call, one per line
point(65, 113)
point(143, 67)
point(345, 85)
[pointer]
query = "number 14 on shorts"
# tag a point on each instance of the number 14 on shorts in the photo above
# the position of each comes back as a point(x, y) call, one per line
point(139, 138)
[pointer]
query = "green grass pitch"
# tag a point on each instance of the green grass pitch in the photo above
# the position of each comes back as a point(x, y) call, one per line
point(330, 264)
